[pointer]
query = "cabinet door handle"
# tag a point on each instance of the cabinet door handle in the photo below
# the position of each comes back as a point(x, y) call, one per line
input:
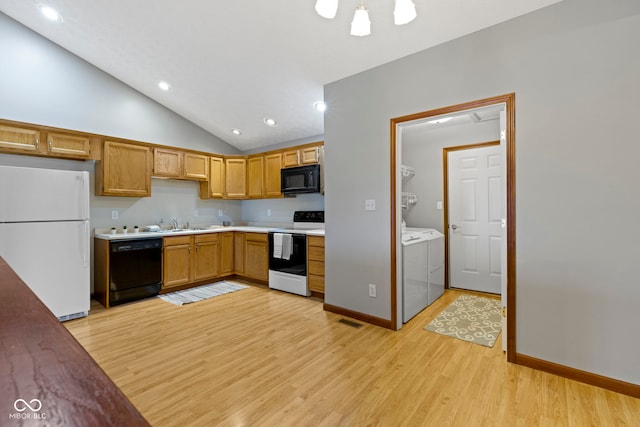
point(37, 141)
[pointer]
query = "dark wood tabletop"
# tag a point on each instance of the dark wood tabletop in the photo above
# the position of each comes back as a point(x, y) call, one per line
point(46, 376)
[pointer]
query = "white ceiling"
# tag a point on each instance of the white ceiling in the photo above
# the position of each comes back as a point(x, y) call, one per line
point(231, 63)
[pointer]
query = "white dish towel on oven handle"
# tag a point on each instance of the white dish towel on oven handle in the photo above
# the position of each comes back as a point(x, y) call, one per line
point(282, 245)
point(287, 246)
point(277, 245)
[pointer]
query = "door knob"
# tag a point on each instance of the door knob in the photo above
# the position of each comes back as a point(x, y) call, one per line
point(454, 227)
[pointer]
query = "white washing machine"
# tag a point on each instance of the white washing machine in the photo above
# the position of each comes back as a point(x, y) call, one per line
point(422, 269)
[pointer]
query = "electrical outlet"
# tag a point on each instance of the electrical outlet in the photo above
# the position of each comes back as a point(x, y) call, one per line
point(372, 290)
point(369, 205)
point(114, 214)
point(220, 212)
point(268, 212)
point(195, 212)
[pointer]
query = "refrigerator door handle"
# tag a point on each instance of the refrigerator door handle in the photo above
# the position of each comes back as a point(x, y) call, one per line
point(85, 244)
point(84, 214)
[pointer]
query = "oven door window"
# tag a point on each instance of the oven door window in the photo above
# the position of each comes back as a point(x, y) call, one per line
point(297, 262)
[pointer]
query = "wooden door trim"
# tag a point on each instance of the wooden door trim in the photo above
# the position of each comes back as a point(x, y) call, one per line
point(445, 207)
point(509, 101)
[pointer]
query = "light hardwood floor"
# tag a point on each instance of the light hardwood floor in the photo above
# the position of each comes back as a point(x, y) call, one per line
point(259, 357)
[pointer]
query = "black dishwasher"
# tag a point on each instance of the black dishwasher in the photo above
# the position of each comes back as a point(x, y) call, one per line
point(135, 269)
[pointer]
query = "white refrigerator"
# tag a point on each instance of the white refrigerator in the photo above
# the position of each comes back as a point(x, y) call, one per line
point(45, 235)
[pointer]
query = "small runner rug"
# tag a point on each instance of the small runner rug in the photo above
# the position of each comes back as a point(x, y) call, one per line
point(470, 318)
point(201, 292)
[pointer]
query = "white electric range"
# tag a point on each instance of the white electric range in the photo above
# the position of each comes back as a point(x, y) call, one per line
point(288, 253)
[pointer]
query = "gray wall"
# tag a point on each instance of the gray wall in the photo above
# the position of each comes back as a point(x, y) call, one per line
point(44, 84)
point(256, 211)
point(574, 69)
point(422, 150)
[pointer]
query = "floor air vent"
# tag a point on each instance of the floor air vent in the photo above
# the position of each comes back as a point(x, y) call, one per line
point(350, 323)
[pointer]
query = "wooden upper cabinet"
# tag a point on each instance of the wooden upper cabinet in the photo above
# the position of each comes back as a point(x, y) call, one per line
point(272, 166)
point(167, 163)
point(196, 167)
point(255, 177)
point(300, 156)
point(309, 155)
point(125, 170)
point(73, 146)
point(235, 178)
point(290, 158)
point(180, 165)
point(19, 139)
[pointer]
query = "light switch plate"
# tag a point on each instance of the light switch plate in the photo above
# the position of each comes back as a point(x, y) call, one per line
point(370, 205)
point(439, 206)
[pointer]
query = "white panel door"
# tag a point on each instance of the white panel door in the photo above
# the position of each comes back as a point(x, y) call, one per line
point(475, 218)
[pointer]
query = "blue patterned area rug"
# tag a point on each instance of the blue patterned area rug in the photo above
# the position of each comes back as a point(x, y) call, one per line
point(201, 293)
point(470, 318)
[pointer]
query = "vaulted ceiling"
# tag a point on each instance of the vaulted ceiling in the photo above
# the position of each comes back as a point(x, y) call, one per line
point(232, 63)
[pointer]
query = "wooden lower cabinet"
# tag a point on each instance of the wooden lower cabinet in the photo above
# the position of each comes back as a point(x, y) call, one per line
point(315, 267)
point(256, 256)
point(188, 259)
point(238, 252)
point(226, 243)
point(205, 256)
point(176, 261)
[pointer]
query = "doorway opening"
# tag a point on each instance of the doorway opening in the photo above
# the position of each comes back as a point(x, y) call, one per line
point(506, 103)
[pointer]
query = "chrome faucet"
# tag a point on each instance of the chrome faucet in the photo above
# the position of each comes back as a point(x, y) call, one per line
point(174, 223)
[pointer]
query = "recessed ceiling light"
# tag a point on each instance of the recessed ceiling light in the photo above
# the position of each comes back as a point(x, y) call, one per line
point(164, 85)
point(236, 131)
point(320, 106)
point(50, 13)
point(270, 122)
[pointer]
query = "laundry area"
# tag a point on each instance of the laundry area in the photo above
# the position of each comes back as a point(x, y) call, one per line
point(450, 205)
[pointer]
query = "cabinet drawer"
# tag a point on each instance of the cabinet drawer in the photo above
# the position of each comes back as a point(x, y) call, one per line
point(316, 253)
point(316, 267)
point(316, 283)
point(207, 237)
point(176, 240)
point(316, 241)
point(256, 237)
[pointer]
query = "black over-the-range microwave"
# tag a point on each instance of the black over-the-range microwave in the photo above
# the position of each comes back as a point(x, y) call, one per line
point(300, 179)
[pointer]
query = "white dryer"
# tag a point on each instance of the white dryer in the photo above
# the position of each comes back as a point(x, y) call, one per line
point(422, 269)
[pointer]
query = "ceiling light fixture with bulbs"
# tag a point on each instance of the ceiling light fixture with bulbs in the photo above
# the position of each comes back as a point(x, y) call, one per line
point(403, 13)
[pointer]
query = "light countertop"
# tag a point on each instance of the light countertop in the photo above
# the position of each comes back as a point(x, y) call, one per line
point(221, 229)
